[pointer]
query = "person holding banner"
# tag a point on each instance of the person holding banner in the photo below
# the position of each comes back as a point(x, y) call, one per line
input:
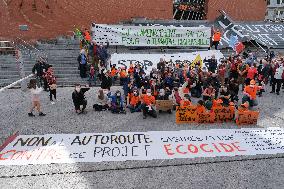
point(148, 103)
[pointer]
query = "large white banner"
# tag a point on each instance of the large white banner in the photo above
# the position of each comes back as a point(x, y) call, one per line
point(99, 147)
point(150, 61)
point(151, 35)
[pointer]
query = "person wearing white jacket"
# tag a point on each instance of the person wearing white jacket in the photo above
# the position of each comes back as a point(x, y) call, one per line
point(278, 79)
point(35, 91)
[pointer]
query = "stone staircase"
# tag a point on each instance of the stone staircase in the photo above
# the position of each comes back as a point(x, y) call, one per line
point(63, 56)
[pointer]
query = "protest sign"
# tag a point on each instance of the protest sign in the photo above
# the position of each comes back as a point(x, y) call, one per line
point(164, 105)
point(151, 35)
point(223, 114)
point(100, 147)
point(206, 117)
point(149, 61)
point(247, 118)
point(186, 114)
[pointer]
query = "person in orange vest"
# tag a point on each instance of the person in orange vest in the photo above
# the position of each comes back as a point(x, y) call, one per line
point(250, 93)
point(113, 73)
point(134, 101)
point(131, 69)
point(185, 101)
point(87, 36)
point(216, 38)
point(148, 103)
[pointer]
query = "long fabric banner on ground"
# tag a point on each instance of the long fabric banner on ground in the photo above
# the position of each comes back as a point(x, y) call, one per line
point(151, 35)
point(149, 61)
point(99, 147)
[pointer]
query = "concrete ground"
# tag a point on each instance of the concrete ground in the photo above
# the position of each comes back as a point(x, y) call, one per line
point(261, 171)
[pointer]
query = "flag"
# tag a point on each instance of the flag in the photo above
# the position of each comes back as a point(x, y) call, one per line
point(239, 47)
point(198, 61)
point(233, 41)
point(235, 44)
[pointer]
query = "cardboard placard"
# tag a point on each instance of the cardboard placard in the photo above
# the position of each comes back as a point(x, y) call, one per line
point(247, 118)
point(164, 105)
point(223, 114)
point(206, 117)
point(186, 114)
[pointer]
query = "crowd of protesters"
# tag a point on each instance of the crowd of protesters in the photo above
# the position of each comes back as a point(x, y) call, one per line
point(216, 82)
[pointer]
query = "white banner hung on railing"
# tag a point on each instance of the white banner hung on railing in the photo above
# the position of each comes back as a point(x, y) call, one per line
point(100, 147)
point(152, 35)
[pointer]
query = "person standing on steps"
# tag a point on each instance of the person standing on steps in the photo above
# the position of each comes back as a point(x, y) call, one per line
point(82, 61)
point(35, 92)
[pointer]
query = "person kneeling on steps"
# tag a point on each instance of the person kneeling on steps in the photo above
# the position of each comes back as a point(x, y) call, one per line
point(148, 103)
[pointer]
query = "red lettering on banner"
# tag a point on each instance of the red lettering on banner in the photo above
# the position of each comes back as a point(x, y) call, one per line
point(195, 148)
point(226, 146)
point(168, 149)
point(216, 147)
point(202, 147)
point(237, 147)
point(10, 151)
point(178, 149)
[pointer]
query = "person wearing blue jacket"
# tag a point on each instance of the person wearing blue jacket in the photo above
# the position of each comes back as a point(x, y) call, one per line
point(117, 103)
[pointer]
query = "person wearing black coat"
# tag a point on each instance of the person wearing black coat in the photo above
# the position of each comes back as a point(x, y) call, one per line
point(212, 64)
point(78, 97)
point(39, 69)
point(106, 80)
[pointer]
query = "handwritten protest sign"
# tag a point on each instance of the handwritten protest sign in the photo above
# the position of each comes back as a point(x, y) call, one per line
point(104, 147)
point(247, 118)
point(206, 117)
point(186, 114)
point(151, 35)
point(223, 114)
point(164, 105)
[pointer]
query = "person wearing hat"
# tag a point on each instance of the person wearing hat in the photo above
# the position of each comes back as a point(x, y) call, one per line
point(78, 97)
point(148, 103)
point(250, 92)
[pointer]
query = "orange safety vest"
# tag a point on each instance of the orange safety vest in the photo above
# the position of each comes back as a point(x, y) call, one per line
point(252, 91)
point(217, 36)
point(123, 74)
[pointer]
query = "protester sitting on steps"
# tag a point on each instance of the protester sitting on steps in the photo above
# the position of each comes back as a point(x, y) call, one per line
point(35, 92)
point(78, 97)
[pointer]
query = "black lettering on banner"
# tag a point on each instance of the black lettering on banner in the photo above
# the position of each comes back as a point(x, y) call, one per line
point(106, 150)
point(133, 154)
point(35, 141)
point(77, 155)
point(146, 150)
point(113, 152)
